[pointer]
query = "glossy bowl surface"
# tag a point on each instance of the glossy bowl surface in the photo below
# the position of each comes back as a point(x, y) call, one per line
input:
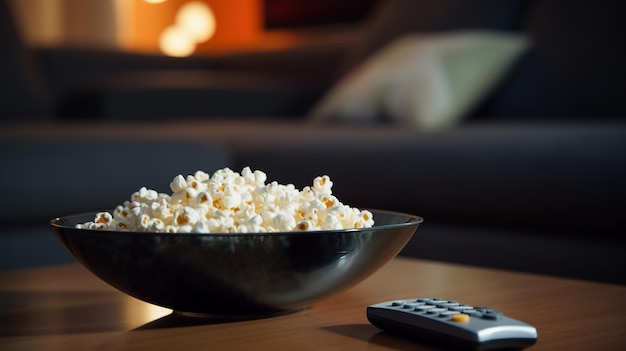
point(236, 275)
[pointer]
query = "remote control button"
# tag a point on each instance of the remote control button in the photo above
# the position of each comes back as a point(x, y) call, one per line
point(492, 315)
point(461, 308)
point(435, 301)
point(473, 313)
point(424, 308)
point(398, 303)
point(438, 310)
point(448, 304)
point(431, 301)
point(483, 309)
point(449, 313)
point(460, 318)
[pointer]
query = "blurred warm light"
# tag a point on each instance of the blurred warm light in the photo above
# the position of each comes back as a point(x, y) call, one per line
point(154, 1)
point(195, 23)
point(197, 18)
point(175, 41)
point(214, 25)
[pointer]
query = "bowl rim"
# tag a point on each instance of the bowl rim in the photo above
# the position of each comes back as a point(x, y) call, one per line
point(413, 220)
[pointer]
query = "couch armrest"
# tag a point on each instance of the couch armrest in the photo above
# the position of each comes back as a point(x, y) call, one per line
point(177, 94)
point(119, 85)
point(316, 65)
point(66, 69)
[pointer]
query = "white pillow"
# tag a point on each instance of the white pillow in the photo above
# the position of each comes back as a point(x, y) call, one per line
point(427, 81)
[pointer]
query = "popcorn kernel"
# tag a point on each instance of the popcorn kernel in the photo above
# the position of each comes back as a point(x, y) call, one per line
point(231, 202)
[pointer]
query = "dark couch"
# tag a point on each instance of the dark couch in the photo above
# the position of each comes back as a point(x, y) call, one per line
point(531, 181)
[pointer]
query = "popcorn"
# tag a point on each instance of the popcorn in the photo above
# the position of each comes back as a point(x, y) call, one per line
point(232, 202)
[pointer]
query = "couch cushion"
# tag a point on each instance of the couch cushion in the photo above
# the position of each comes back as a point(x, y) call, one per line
point(48, 177)
point(514, 174)
point(423, 81)
point(552, 252)
point(396, 18)
point(567, 175)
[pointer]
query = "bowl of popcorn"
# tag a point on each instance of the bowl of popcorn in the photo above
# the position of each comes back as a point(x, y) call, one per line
point(232, 244)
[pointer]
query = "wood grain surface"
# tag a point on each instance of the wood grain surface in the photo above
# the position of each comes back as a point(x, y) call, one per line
point(67, 308)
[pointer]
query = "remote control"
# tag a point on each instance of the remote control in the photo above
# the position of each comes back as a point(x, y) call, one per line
point(452, 324)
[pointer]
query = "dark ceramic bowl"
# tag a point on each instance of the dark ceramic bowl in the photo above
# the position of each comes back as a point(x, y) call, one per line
point(236, 275)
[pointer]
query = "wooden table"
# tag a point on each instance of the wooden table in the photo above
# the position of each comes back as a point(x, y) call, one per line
point(67, 308)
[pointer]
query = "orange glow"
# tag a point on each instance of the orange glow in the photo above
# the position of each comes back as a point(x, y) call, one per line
point(238, 24)
point(175, 41)
point(197, 19)
point(195, 23)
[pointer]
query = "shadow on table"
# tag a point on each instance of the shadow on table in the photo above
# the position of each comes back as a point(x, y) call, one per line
point(371, 334)
point(178, 320)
